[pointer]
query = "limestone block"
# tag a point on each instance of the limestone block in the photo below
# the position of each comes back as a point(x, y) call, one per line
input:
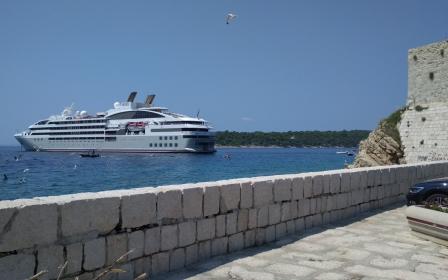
point(191, 254)
point(318, 185)
point(308, 187)
point(345, 181)
point(152, 240)
point(331, 203)
point(363, 179)
point(29, 225)
point(282, 190)
point(160, 263)
point(371, 175)
point(313, 205)
point(219, 246)
point(94, 253)
point(18, 266)
point(136, 242)
point(204, 250)
point(230, 197)
point(206, 229)
point(326, 182)
point(117, 245)
point(373, 193)
point(280, 230)
point(50, 258)
point(128, 272)
point(243, 219)
point(252, 223)
point(366, 195)
point(274, 214)
point(290, 227)
point(246, 195)
point(138, 210)
point(169, 204)
point(169, 237)
point(74, 258)
point(236, 242)
point(357, 196)
point(304, 207)
point(323, 204)
point(286, 211)
point(270, 233)
point(177, 259)
point(355, 180)
point(192, 202)
point(211, 200)
point(231, 223)
point(297, 188)
point(94, 214)
point(385, 176)
point(326, 218)
point(249, 238)
point(263, 216)
point(308, 222)
point(260, 236)
point(187, 233)
point(299, 224)
point(294, 208)
point(263, 194)
point(220, 225)
point(335, 183)
point(317, 220)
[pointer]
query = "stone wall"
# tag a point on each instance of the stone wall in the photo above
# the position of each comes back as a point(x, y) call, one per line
point(423, 129)
point(173, 226)
point(428, 74)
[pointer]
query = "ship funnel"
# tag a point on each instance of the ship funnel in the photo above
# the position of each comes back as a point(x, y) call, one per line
point(149, 100)
point(132, 96)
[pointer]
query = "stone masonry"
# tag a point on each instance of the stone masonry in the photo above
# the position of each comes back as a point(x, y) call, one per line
point(171, 227)
point(424, 125)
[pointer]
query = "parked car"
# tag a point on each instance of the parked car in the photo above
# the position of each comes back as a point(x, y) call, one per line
point(433, 191)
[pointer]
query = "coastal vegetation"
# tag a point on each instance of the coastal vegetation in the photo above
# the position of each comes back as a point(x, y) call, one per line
point(344, 138)
point(390, 124)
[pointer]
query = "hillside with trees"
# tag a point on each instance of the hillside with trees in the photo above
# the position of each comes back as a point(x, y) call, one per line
point(344, 138)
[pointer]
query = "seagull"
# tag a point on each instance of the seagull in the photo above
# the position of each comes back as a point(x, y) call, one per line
point(230, 17)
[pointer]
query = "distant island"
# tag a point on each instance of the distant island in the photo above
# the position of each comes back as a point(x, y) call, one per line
point(344, 138)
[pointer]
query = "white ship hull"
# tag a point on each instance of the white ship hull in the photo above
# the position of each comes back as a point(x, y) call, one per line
point(123, 144)
point(129, 127)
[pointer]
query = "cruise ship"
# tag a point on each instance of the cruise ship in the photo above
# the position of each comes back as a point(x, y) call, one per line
point(131, 127)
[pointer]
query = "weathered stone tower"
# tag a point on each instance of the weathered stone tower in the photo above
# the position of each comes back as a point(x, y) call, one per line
point(424, 125)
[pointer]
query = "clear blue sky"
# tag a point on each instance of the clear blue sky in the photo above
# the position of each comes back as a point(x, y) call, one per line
point(281, 65)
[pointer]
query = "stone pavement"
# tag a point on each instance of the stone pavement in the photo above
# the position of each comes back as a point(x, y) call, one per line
point(376, 245)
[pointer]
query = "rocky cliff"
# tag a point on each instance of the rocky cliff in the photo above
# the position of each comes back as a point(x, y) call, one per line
point(383, 145)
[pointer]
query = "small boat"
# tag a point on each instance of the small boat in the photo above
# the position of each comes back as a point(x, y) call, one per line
point(91, 154)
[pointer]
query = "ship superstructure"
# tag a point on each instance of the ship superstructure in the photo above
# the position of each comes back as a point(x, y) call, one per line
point(129, 127)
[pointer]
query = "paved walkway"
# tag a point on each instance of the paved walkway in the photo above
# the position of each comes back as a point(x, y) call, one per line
point(379, 246)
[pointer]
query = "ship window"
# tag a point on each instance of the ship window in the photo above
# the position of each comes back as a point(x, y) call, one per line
point(171, 144)
point(166, 137)
point(150, 144)
point(135, 115)
point(175, 144)
point(160, 137)
point(171, 137)
point(165, 144)
point(175, 137)
point(160, 144)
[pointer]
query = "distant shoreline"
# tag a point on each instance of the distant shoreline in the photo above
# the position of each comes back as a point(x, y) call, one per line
point(280, 147)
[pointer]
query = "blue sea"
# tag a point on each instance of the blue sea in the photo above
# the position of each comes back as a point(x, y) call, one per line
point(32, 174)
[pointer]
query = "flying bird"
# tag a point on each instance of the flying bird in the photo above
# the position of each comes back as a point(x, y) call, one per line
point(230, 17)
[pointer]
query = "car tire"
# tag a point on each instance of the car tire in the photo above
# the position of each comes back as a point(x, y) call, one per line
point(437, 199)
